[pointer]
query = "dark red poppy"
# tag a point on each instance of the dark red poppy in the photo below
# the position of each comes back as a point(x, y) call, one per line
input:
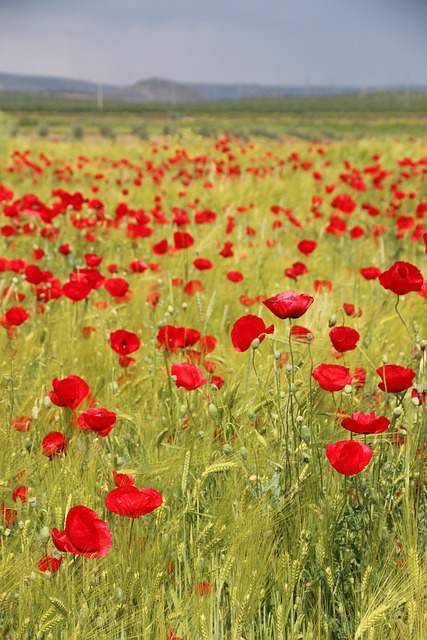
point(344, 338)
point(187, 375)
point(288, 304)
point(161, 248)
point(246, 329)
point(344, 203)
point(124, 342)
point(348, 456)
point(128, 500)
point(49, 564)
point(85, 534)
point(68, 392)
point(402, 278)
point(116, 287)
point(359, 376)
point(54, 444)
point(365, 423)
point(9, 515)
point(15, 317)
point(122, 479)
point(395, 378)
point(332, 377)
point(138, 266)
point(101, 421)
point(203, 589)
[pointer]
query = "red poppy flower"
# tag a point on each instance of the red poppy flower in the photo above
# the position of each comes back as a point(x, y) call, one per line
point(9, 515)
point(188, 376)
point(85, 534)
point(344, 338)
point(192, 287)
point(202, 264)
point(21, 493)
point(124, 342)
point(300, 334)
point(307, 246)
point(235, 276)
point(366, 423)
point(76, 290)
point(332, 377)
point(128, 500)
point(395, 378)
point(402, 278)
point(370, 273)
point(246, 329)
point(183, 240)
point(288, 304)
point(174, 338)
point(203, 589)
point(101, 421)
point(68, 392)
point(22, 424)
point(49, 564)
point(54, 444)
point(15, 317)
point(122, 479)
point(349, 456)
point(160, 248)
point(344, 203)
point(138, 266)
point(93, 260)
point(116, 287)
point(359, 376)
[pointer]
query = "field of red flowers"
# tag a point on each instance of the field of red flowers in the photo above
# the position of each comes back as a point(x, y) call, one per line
point(213, 389)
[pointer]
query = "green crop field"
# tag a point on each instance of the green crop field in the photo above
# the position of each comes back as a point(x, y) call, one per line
point(213, 373)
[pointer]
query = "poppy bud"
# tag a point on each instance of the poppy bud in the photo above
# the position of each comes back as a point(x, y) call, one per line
point(47, 402)
point(213, 411)
point(384, 359)
point(332, 320)
point(255, 343)
point(227, 449)
point(244, 453)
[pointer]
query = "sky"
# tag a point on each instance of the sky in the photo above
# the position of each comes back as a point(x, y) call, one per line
point(282, 42)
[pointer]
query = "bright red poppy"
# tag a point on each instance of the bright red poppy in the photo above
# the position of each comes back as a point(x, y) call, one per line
point(116, 287)
point(187, 375)
point(22, 424)
point(246, 329)
point(68, 392)
point(288, 304)
point(15, 317)
point(128, 500)
point(101, 421)
point(301, 334)
point(124, 342)
point(370, 273)
point(202, 264)
point(307, 246)
point(173, 338)
point(365, 423)
point(344, 338)
point(349, 456)
point(332, 377)
point(76, 290)
point(85, 534)
point(395, 378)
point(402, 278)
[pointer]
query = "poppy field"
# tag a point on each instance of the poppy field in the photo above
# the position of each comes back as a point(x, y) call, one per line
point(213, 389)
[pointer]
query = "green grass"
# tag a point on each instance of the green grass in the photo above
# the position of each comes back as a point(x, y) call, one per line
point(290, 548)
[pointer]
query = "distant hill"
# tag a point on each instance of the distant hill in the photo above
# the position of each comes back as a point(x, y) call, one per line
point(161, 90)
point(157, 90)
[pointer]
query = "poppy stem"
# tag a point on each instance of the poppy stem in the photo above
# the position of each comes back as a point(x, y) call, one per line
point(402, 320)
point(130, 534)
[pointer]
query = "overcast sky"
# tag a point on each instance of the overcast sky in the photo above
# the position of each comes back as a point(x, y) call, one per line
point(340, 42)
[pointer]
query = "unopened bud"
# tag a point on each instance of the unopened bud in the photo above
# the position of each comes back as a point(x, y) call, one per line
point(332, 320)
point(397, 411)
point(227, 449)
point(244, 453)
point(384, 359)
point(255, 343)
point(213, 411)
point(47, 403)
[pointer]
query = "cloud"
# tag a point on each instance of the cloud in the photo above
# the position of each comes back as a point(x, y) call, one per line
point(285, 42)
